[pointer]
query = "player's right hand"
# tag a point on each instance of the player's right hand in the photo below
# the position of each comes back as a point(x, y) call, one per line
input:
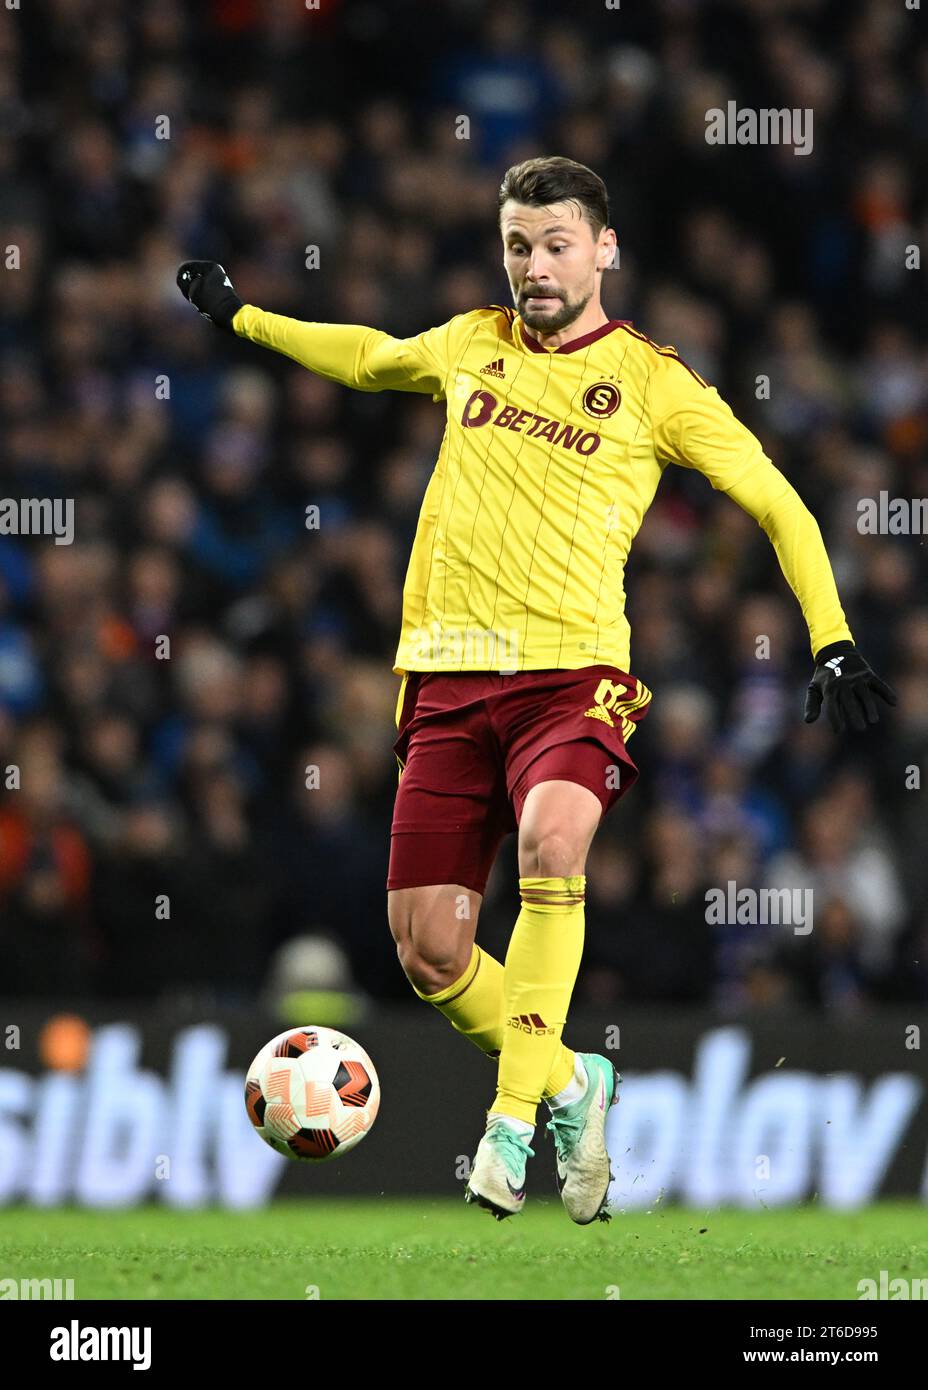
point(209, 289)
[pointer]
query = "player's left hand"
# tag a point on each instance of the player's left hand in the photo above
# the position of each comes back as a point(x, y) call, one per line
point(847, 684)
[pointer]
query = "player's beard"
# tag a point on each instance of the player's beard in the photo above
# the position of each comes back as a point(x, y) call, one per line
point(548, 321)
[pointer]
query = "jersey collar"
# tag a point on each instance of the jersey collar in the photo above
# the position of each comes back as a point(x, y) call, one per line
point(576, 343)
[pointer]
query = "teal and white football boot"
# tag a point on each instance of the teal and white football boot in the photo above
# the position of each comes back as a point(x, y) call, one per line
point(497, 1179)
point(583, 1172)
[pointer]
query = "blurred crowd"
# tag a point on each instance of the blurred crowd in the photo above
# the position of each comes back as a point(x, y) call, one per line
point(164, 835)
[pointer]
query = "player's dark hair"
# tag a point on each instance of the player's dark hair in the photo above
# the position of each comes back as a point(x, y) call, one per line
point(554, 179)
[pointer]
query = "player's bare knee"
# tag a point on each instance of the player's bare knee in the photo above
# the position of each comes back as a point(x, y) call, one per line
point(430, 965)
point(554, 854)
point(429, 975)
point(434, 934)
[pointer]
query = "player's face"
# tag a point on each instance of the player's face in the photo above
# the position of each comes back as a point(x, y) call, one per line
point(551, 258)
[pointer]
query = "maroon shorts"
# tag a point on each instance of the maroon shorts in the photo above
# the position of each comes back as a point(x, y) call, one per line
point(471, 745)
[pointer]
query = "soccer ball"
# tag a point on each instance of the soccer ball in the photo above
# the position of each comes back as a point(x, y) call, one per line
point(312, 1093)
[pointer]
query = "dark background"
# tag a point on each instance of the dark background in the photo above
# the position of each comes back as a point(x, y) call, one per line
point(336, 128)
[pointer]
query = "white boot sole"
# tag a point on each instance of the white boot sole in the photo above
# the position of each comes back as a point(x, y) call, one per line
point(586, 1187)
point(488, 1186)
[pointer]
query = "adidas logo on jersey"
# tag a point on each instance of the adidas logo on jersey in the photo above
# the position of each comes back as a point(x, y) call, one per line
point(493, 368)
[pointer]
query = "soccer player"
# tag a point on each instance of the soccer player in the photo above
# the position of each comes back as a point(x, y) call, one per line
point(516, 701)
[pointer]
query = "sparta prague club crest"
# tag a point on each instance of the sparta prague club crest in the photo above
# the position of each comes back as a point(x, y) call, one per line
point(602, 399)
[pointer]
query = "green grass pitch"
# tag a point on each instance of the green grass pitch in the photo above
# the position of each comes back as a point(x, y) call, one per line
point(430, 1249)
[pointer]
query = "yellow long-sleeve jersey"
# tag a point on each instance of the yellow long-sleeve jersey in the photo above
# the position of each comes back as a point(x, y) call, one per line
point(549, 461)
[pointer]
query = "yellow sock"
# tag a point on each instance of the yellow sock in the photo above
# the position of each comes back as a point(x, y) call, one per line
point(541, 968)
point(474, 1006)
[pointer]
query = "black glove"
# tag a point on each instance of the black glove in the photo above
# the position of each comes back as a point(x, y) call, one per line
point(847, 685)
point(209, 289)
